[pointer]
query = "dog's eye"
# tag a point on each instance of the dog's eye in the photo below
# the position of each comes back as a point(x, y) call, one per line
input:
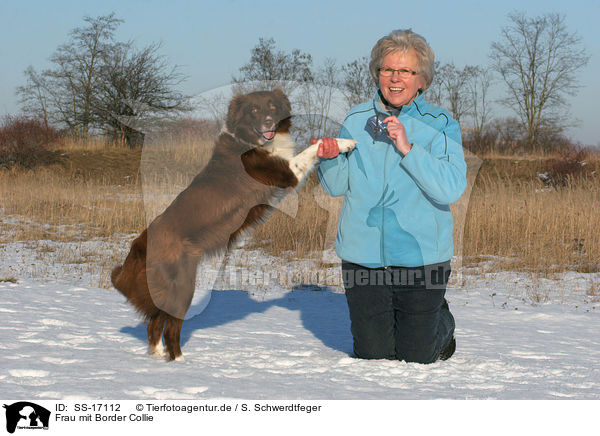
point(272, 107)
point(254, 110)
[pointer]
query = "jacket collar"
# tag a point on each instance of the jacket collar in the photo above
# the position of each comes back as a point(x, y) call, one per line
point(379, 106)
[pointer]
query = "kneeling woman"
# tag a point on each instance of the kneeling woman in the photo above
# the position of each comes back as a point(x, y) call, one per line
point(395, 229)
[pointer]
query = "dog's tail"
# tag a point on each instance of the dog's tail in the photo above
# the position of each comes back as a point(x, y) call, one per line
point(114, 275)
point(121, 282)
point(130, 279)
point(124, 277)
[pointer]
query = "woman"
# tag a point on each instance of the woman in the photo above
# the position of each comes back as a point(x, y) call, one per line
point(395, 229)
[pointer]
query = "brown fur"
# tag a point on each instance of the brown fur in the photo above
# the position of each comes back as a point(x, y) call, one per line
point(229, 196)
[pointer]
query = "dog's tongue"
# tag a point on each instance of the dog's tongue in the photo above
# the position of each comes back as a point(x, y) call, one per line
point(269, 134)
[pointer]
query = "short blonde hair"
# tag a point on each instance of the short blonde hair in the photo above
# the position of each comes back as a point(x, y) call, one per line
point(402, 41)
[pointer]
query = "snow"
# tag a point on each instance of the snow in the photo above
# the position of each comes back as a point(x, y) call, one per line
point(65, 338)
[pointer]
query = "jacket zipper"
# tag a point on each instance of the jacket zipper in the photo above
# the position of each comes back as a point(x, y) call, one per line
point(385, 158)
point(383, 205)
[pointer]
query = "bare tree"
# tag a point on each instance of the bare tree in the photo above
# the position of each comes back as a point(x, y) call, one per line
point(97, 84)
point(73, 82)
point(454, 86)
point(357, 84)
point(478, 89)
point(63, 94)
point(33, 96)
point(270, 68)
point(435, 91)
point(314, 102)
point(136, 87)
point(214, 107)
point(537, 58)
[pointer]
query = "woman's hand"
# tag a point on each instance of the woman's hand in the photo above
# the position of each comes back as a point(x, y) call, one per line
point(328, 149)
point(397, 133)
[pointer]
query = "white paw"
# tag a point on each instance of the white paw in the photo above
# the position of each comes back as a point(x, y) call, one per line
point(346, 145)
point(157, 350)
point(179, 358)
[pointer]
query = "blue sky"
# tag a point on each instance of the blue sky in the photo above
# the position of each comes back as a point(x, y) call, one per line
point(211, 40)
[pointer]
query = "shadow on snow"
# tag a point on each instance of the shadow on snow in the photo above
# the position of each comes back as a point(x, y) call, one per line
point(322, 312)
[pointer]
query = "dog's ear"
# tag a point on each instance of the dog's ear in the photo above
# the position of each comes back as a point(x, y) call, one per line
point(279, 92)
point(280, 95)
point(233, 113)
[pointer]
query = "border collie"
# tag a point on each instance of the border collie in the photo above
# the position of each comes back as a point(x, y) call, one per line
point(253, 166)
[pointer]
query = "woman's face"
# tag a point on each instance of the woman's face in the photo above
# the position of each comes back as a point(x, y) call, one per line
point(397, 90)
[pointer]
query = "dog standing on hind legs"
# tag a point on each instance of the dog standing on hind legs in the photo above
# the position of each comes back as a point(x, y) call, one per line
point(252, 167)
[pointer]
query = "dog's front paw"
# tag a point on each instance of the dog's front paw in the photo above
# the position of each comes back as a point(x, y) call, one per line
point(346, 145)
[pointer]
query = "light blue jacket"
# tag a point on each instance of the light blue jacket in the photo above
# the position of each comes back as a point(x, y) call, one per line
point(395, 209)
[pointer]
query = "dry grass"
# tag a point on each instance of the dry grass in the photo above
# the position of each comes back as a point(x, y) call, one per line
point(167, 167)
point(69, 206)
point(530, 227)
point(302, 226)
point(96, 192)
point(90, 192)
point(91, 144)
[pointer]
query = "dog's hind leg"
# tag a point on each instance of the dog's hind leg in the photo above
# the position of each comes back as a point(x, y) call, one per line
point(173, 338)
point(182, 292)
point(155, 333)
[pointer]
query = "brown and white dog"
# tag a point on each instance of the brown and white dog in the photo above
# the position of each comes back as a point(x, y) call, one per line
point(252, 167)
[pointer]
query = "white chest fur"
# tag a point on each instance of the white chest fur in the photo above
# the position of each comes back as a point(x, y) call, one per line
point(282, 146)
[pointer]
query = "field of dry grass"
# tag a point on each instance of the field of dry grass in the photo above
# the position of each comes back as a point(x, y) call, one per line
point(100, 190)
point(534, 228)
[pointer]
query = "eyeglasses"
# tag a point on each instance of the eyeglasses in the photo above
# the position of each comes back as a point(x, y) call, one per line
point(404, 73)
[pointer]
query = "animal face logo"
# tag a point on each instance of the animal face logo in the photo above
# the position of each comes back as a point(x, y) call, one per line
point(26, 415)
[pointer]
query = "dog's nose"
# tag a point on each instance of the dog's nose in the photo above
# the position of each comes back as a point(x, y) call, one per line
point(268, 123)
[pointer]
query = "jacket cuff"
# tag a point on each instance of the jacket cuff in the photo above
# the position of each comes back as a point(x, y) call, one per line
point(414, 153)
point(326, 164)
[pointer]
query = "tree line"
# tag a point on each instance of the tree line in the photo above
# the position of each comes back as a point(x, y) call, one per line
point(97, 84)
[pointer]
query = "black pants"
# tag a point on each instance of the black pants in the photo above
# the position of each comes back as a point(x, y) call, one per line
point(397, 312)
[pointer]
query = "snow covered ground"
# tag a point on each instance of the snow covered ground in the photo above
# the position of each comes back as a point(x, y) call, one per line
point(64, 338)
